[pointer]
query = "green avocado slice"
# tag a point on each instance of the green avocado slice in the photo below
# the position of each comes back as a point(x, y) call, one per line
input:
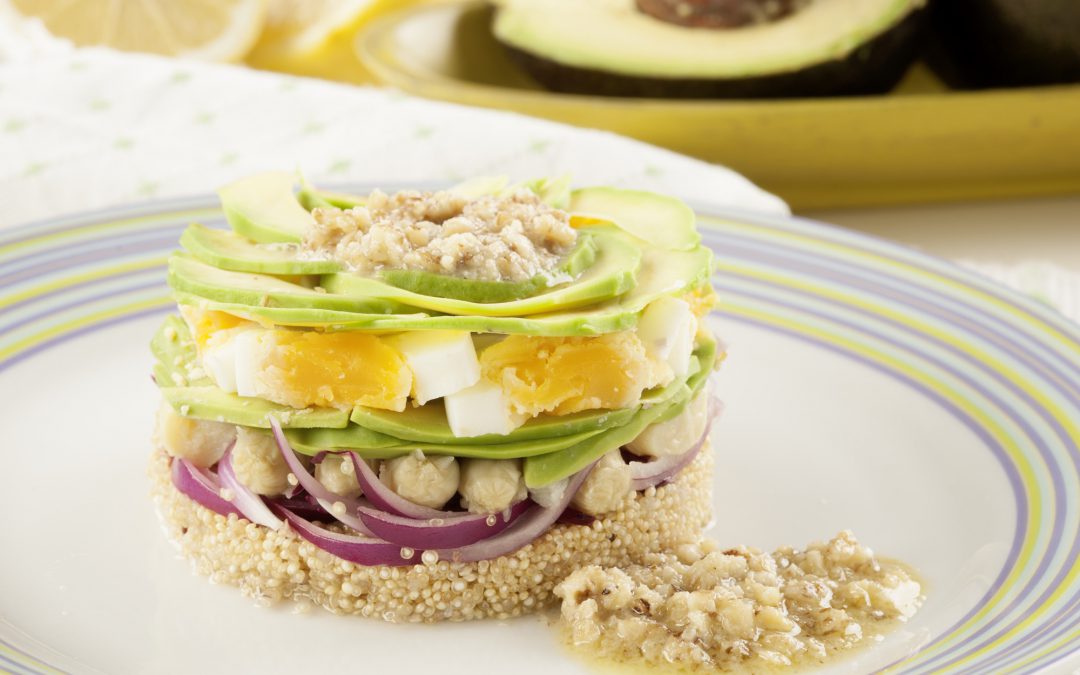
point(313, 441)
point(175, 354)
point(211, 403)
point(312, 198)
point(350, 437)
point(474, 290)
point(612, 274)
point(189, 275)
point(559, 323)
point(662, 273)
point(554, 192)
point(542, 470)
point(427, 424)
point(263, 207)
point(657, 219)
point(229, 251)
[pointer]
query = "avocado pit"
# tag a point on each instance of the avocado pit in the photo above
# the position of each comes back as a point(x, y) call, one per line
point(718, 13)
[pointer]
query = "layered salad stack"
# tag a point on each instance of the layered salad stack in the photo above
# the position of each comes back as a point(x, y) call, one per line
point(425, 406)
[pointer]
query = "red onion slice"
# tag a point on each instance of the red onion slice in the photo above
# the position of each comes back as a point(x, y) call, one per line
point(387, 500)
point(362, 550)
point(524, 530)
point(439, 532)
point(358, 549)
point(249, 504)
point(647, 474)
point(341, 508)
point(303, 505)
point(201, 486)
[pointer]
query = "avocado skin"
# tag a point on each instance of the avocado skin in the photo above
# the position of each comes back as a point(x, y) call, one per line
point(974, 44)
point(873, 68)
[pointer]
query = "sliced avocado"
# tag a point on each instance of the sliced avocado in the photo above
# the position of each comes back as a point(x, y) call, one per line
point(314, 441)
point(339, 200)
point(557, 323)
point(455, 288)
point(474, 290)
point(230, 251)
point(662, 273)
point(554, 192)
point(1005, 43)
point(665, 404)
point(351, 436)
point(211, 403)
point(188, 275)
point(174, 351)
point(263, 207)
point(311, 198)
point(673, 48)
point(657, 219)
point(612, 274)
point(427, 424)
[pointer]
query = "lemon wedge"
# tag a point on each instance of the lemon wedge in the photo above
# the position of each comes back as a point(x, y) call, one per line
point(210, 30)
point(314, 37)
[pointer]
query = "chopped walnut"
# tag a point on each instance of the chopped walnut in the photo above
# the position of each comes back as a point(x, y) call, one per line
point(506, 238)
point(703, 606)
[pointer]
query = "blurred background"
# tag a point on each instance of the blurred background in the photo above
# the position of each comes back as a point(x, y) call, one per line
point(951, 125)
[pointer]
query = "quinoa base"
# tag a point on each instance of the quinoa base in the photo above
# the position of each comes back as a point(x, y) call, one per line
point(275, 565)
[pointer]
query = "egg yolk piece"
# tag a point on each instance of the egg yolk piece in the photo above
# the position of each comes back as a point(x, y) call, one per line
point(702, 300)
point(563, 375)
point(205, 323)
point(336, 370)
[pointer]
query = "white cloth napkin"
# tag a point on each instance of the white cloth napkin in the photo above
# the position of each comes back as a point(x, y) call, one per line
point(81, 129)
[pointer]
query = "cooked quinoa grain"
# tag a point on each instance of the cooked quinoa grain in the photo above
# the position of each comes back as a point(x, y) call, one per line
point(700, 606)
point(274, 565)
point(506, 238)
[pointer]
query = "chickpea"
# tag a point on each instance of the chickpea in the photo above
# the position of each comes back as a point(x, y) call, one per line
point(201, 442)
point(338, 475)
point(491, 485)
point(258, 462)
point(429, 481)
point(548, 495)
point(606, 487)
point(676, 435)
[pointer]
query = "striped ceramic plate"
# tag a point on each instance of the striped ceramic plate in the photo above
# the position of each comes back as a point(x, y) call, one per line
point(868, 386)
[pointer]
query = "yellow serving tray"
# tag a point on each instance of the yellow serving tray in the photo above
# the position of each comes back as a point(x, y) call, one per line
point(922, 143)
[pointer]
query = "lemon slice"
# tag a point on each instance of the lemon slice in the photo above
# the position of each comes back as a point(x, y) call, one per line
point(210, 30)
point(314, 37)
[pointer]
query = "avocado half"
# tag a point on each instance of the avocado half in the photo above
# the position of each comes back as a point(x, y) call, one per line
point(1005, 43)
point(611, 47)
